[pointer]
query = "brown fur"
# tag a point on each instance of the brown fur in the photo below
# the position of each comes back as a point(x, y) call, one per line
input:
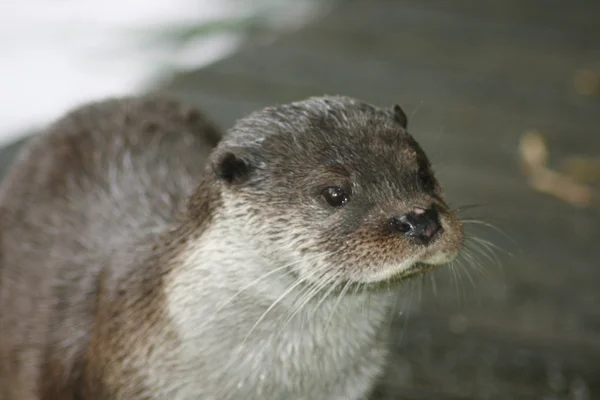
point(47, 202)
point(106, 262)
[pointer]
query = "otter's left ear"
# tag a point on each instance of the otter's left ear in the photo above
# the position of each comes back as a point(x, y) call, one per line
point(233, 164)
point(400, 116)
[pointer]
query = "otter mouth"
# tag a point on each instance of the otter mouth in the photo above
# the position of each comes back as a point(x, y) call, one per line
point(415, 270)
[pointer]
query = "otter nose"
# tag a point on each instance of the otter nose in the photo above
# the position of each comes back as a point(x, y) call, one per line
point(420, 225)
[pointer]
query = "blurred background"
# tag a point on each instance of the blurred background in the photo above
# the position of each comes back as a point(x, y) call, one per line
point(503, 95)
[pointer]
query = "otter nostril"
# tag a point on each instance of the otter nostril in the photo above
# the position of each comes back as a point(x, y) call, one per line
point(421, 226)
point(401, 224)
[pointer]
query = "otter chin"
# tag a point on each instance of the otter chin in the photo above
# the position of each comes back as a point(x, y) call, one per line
point(147, 255)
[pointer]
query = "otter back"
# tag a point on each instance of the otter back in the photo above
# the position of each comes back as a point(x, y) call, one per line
point(105, 177)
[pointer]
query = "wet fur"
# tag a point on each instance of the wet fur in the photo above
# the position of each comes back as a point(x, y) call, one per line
point(136, 263)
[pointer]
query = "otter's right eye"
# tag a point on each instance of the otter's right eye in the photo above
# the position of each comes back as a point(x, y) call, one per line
point(335, 196)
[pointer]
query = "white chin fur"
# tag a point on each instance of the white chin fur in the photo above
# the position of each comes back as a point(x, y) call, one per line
point(397, 269)
point(441, 257)
point(389, 271)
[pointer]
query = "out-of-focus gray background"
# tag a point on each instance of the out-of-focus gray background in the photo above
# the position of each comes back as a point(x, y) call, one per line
point(505, 97)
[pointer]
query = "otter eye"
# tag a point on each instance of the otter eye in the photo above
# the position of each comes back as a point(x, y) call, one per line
point(335, 196)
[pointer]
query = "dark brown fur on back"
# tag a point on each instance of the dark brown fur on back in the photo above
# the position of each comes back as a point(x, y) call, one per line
point(80, 195)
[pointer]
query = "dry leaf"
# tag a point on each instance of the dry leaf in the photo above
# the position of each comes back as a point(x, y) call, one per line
point(582, 169)
point(561, 186)
point(534, 156)
point(534, 152)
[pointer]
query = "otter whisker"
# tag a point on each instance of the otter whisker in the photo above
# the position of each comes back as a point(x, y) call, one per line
point(359, 290)
point(416, 109)
point(338, 278)
point(264, 314)
point(419, 282)
point(468, 256)
point(337, 303)
point(456, 279)
point(492, 246)
point(487, 224)
point(357, 286)
point(467, 207)
point(215, 314)
point(254, 282)
point(433, 284)
point(485, 250)
point(276, 302)
point(469, 277)
point(264, 276)
point(307, 295)
point(311, 292)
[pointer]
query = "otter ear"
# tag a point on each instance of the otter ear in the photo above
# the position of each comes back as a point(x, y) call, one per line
point(400, 116)
point(233, 165)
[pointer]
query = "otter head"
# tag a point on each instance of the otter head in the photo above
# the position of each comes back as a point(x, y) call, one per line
point(338, 190)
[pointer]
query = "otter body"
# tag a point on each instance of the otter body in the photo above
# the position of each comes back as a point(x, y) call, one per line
point(139, 261)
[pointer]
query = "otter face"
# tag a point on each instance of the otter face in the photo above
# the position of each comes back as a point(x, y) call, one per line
point(339, 190)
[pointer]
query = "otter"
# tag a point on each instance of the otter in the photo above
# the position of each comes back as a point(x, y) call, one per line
point(144, 255)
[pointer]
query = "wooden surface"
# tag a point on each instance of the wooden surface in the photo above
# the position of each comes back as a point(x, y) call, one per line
point(475, 75)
